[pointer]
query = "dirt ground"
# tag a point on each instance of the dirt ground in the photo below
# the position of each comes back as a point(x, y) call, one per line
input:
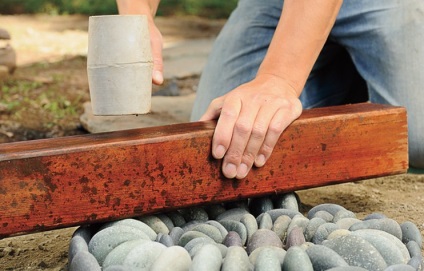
point(44, 98)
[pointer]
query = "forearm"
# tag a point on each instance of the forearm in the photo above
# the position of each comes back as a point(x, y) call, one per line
point(300, 35)
point(147, 7)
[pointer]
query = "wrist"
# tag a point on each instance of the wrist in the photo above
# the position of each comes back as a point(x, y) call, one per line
point(281, 82)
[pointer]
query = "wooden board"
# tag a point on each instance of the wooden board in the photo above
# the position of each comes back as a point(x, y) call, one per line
point(54, 183)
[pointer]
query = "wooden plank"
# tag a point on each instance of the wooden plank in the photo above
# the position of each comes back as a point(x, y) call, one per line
point(61, 182)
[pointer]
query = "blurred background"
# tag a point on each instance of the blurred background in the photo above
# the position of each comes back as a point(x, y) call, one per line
point(204, 8)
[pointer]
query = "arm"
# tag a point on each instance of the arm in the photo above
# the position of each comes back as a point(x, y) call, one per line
point(253, 116)
point(148, 8)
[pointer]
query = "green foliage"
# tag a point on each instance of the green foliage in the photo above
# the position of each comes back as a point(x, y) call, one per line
point(204, 8)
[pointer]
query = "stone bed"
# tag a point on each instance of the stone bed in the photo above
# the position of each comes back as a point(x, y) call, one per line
point(266, 233)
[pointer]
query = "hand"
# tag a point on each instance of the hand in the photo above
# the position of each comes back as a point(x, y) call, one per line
point(251, 120)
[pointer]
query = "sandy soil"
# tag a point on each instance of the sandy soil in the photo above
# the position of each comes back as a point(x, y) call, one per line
point(48, 46)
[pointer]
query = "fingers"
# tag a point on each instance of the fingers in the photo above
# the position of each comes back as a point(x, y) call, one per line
point(156, 45)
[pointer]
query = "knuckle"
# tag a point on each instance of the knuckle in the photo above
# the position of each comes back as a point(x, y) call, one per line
point(259, 131)
point(243, 127)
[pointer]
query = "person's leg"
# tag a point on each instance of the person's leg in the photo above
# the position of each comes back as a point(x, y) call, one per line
point(386, 41)
point(238, 50)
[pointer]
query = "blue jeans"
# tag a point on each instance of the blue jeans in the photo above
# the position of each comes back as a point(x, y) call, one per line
point(375, 52)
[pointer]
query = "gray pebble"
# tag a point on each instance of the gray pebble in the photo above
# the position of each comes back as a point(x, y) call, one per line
point(231, 225)
point(232, 239)
point(84, 261)
point(329, 207)
point(400, 267)
point(208, 258)
point(267, 260)
point(195, 213)
point(176, 218)
point(275, 213)
point(287, 201)
point(346, 223)
point(374, 216)
point(343, 214)
point(76, 245)
point(191, 224)
point(249, 221)
point(417, 262)
point(79, 241)
point(196, 241)
point(154, 223)
point(107, 239)
point(166, 220)
point(323, 258)
point(236, 260)
point(173, 258)
point(234, 214)
point(190, 235)
point(279, 252)
point(118, 254)
point(306, 245)
point(298, 221)
point(390, 253)
point(324, 215)
point(219, 226)
point(143, 256)
point(210, 231)
point(295, 237)
point(133, 223)
point(281, 225)
point(166, 240)
point(394, 240)
point(357, 252)
point(214, 210)
point(384, 224)
point(323, 231)
point(410, 232)
point(265, 222)
point(263, 237)
point(296, 259)
point(413, 248)
point(312, 227)
point(260, 205)
point(176, 234)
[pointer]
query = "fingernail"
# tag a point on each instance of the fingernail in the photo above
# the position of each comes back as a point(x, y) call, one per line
point(157, 77)
point(230, 170)
point(219, 152)
point(260, 160)
point(242, 170)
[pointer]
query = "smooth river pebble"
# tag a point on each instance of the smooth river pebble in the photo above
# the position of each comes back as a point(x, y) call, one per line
point(107, 239)
point(84, 261)
point(357, 252)
point(236, 260)
point(410, 232)
point(143, 256)
point(323, 258)
point(296, 259)
point(173, 258)
point(208, 258)
point(263, 237)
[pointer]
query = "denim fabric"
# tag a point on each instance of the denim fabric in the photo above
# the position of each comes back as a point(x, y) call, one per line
point(375, 52)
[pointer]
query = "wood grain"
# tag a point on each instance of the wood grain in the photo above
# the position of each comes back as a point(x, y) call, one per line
point(55, 183)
